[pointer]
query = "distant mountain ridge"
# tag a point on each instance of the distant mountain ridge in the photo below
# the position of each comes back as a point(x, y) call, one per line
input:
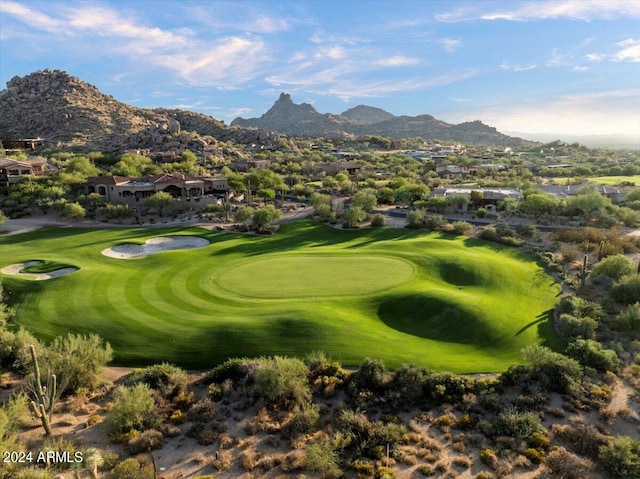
point(68, 112)
point(289, 118)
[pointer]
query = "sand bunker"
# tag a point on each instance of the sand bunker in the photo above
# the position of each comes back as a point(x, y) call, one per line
point(17, 270)
point(154, 245)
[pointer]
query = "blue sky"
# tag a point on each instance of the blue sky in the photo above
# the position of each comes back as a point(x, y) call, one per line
point(565, 67)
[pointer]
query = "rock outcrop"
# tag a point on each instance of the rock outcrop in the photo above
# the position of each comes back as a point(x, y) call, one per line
point(289, 118)
point(66, 112)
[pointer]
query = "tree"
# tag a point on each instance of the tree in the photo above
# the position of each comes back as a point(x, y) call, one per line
point(159, 201)
point(476, 197)
point(73, 211)
point(117, 212)
point(365, 199)
point(267, 194)
point(243, 215)
point(587, 204)
point(92, 202)
point(539, 204)
point(3, 217)
point(614, 267)
point(263, 218)
point(353, 216)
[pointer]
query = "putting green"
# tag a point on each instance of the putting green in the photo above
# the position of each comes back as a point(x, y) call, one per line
point(402, 296)
point(315, 276)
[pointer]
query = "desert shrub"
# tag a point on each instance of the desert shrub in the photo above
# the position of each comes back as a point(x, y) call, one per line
point(528, 231)
point(282, 381)
point(415, 219)
point(238, 370)
point(585, 439)
point(61, 447)
point(433, 222)
point(580, 308)
point(481, 212)
point(305, 419)
point(614, 267)
point(590, 353)
point(30, 473)
point(552, 370)
point(615, 242)
point(564, 465)
point(367, 380)
point(133, 409)
point(322, 456)
point(462, 228)
point(146, 441)
point(571, 327)
point(489, 458)
point(167, 379)
point(207, 433)
point(14, 348)
point(627, 289)
point(534, 455)
point(446, 386)
point(378, 220)
point(77, 360)
point(385, 473)
point(513, 423)
point(202, 411)
point(405, 390)
point(621, 457)
point(365, 437)
point(132, 469)
point(627, 320)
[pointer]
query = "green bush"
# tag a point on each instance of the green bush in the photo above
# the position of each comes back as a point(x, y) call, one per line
point(305, 420)
point(580, 308)
point(167, 379)
point(627, 289)
point(571, 327)
point(367, 380)
point(621, 457)
point(132, 469)
point(322, 456)
point(552, 370)
point(133, 409)
point(238, 370)
point(591, 354)
point(462, 228)
point(481, 212)
point(378, 220)
point(282, 381)
point(78, 360)
point(513, 423)
point(614, 267)
point(628, 320)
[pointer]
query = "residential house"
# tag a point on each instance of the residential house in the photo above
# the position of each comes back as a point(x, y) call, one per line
point(490, 197)
point(12, 171)
point(124, 189)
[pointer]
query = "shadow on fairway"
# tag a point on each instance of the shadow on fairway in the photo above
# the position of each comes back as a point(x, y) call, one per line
point(434, 318)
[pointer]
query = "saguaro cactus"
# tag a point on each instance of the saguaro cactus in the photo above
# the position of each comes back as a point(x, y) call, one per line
point(583, 272)
point(45, 396)
point(601, 251)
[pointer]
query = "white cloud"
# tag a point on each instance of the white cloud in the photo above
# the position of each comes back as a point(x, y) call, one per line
point(595, 57)
point(606, 113)
point(585, 10)
point(450, 44)
point(31, 17)
point(630, 51)
point(333, 53)
point(505, 65)
point(397, 61)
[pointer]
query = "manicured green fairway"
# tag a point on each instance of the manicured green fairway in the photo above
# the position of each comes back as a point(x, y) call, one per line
point(402, 296)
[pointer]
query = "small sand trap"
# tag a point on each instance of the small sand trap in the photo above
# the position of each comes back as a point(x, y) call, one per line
point(17, 270)
point(154, 245)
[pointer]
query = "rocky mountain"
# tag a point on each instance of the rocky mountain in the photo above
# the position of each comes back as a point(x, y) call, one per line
point(66, 112)
point(367, 114)
point(289, 118)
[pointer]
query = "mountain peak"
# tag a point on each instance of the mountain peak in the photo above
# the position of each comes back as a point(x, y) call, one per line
point(284, 98)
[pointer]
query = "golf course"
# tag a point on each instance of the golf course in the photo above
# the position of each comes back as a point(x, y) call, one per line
point(402, 296)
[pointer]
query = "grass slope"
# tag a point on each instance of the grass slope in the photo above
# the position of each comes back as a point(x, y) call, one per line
point(402, 296)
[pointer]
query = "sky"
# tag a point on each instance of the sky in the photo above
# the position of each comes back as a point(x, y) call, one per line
point(563, 67)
